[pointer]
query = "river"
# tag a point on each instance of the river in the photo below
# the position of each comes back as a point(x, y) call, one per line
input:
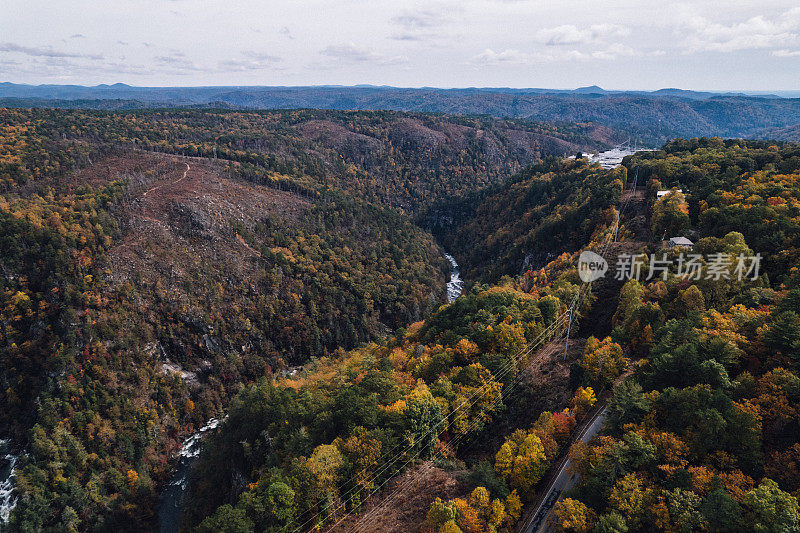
point(7, 463)
point(456, 284)
point(170, 503)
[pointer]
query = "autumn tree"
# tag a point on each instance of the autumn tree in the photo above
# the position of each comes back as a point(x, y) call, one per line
point(670, 215)
point(521, 461)
point(574, 516)
point(602, 362)
point(582, 401)
point(769, 509)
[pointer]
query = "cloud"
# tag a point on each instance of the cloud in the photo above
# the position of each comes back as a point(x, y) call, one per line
point(77, 36)
point(569, 34)
point(614, 51)
point(703, 35)
point(65, 68)
point(176, 63)
point(418, 25)
point(418, 20)
point(786, 53)
point(515, 57)
point(506, 57)
point(258, 56)
point(43, 51)
point(408, 36)
point(350, 53)
point(252, 61)
point(565, 43)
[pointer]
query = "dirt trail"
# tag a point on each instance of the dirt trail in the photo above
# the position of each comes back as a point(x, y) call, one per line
point(144, 210)
point(185, 172)
point(241, 241)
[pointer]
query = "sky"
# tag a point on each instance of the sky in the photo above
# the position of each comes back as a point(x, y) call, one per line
point(616, 44)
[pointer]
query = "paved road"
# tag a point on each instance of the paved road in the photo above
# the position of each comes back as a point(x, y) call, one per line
point(562, 482)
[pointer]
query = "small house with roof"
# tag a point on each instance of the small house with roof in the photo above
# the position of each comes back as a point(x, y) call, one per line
point(680, 241)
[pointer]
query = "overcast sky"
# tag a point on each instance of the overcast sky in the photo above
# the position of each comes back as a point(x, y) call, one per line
point(619, 44)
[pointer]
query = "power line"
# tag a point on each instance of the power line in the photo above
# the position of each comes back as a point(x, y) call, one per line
point(453, 443)
point(505, 369)
point(497, 378)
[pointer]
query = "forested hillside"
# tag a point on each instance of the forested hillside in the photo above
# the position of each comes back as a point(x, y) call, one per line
point(325, 435)
point(546, 210)
point(705, 436)
point(700, 437)
point(331, 436)
point(163, 267)
point(402, 160)
point(650, 117)
point(140, 290)
point(154, 262)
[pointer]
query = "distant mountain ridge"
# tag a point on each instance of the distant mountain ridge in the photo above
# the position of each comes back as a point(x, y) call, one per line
point(649, 117)
point(201, 94)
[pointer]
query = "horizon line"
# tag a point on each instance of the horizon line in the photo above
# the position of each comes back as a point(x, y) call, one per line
point(410, 87)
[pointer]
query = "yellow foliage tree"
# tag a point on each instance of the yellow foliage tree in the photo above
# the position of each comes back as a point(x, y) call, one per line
point(513, 506)
point(582, 401)
point(497, 513)
point(630, 498)
point(602, 361)
point(479, 499)
point(468, 518)
point(574, 516)
point(521, 460)
point(132, 477)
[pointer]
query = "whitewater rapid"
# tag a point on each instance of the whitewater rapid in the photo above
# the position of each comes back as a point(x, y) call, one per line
point(8, 462)
point(170, 506)
point(170, 503)
point(456, 284)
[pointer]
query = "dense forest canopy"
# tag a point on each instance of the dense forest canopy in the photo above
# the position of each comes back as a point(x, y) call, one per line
point(701, 435)
point(398, 159)
point(705, 435)
point(547, 209)
point(161, 267)
point(155, 262)
point(406, 392)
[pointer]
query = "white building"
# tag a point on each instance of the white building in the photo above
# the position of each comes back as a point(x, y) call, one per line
point(659, 194)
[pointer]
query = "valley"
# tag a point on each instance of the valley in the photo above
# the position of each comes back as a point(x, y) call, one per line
point(198, 274)
point(363, 315)
point(496, 266)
